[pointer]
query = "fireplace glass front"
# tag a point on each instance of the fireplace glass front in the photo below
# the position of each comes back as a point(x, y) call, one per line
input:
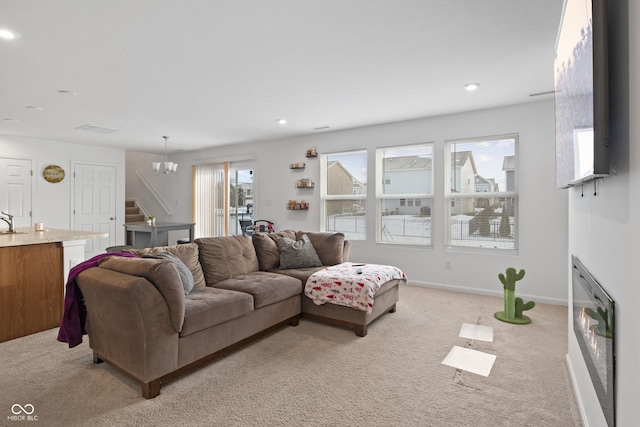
point(593, 325)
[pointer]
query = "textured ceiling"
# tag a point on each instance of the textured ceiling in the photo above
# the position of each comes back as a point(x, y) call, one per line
point(218, 72)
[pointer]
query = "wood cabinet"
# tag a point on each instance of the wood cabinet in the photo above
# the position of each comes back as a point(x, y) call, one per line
point(31, 289)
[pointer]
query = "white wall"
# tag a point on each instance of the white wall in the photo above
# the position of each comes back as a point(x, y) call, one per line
point(543, 209)
point(604, 232)
point(52, 202)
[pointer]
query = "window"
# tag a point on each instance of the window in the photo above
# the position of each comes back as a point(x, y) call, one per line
point(405, 196)
point(240, 197)
point(487, 220)
point(344, 193)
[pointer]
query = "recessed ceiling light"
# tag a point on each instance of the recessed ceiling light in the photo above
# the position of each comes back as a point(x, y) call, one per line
point(33, 107)
point(471, 86)
point(322, 128)
point(7, 34)
point(281, 121)
point(10, 120)
point(67, 92)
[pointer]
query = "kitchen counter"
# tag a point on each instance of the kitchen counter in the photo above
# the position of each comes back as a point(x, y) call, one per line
point(34, 266)
point(27, 236)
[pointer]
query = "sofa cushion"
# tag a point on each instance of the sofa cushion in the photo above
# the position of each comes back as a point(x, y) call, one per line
point(297, 253)
point(224, 257)
point(267, 249)
point(301, 274)
point(185, 274)
point(266, 288)
point(328, 246)
point(162, 274)
point(188, 254)
point(207, 307)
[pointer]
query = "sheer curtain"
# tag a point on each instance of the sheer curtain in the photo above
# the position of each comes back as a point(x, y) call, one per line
point(209, 200)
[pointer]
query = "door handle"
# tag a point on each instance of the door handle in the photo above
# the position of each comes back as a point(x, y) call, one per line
point(113, 218)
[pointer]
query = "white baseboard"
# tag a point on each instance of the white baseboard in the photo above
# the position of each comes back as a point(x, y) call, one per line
point(492, 293)
point(576, 391)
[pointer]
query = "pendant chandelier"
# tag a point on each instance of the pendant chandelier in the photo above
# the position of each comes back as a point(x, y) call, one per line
point(169, 167)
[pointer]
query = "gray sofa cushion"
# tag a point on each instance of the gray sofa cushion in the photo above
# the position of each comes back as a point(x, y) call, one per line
point(266, 288)
point(188, 254)
point(329, 246)
point(267, 249)
point(297, 253)
point(162, 274)
point(207, 307)
point(224, 257)
point(183, 270)
point(301, 274)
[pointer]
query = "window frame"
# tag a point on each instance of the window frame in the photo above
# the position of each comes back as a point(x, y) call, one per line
point(451, 197)
point(325, 197)
point(404, 199)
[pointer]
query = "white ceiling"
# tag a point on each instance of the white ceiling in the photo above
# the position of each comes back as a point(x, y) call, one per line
point(214, 72)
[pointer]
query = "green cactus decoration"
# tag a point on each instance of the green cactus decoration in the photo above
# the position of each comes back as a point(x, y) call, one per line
point(513, 307)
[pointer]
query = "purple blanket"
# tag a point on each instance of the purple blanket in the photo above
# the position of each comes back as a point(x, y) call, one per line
point(75, 313)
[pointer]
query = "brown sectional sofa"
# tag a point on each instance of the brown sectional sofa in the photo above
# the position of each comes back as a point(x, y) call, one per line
point(140, 320)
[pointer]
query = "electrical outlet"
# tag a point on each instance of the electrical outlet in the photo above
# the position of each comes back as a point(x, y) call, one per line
point(447, 264)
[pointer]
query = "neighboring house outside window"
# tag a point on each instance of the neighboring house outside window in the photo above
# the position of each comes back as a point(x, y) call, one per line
point(483, 193)
point(405, 196)
point(344, 193)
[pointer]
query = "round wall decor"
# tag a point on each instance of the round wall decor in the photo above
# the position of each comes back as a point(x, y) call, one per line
point(53, 173)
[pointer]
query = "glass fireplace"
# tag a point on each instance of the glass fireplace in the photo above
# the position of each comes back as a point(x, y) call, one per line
point(593, 325)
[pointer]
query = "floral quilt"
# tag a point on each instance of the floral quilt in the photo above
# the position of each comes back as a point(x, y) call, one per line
point(350, 284)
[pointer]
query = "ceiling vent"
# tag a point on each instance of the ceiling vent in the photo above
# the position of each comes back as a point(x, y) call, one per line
point(97, 129)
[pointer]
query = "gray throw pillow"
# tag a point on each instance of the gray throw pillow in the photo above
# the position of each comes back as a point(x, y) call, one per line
point(185, 274)
point(297, 253)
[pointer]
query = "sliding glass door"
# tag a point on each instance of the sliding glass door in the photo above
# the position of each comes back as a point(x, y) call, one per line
point(240, 197)
point(223, 198)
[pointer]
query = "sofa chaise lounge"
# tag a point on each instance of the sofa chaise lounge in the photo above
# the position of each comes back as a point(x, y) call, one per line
point(140, 320)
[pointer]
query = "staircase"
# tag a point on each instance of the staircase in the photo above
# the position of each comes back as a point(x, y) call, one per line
point(132, 212)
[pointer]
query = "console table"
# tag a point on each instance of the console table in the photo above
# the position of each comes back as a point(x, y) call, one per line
point(142, 235)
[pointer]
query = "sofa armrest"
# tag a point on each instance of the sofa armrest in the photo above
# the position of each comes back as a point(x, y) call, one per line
point(129, 324)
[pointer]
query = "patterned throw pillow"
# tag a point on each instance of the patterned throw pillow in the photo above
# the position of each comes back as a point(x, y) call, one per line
point(297, 253)
point(185, 274)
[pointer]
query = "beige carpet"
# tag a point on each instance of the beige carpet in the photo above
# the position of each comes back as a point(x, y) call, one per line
point(319, 375)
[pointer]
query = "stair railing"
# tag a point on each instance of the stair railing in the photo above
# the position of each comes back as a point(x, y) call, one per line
point(154, 193)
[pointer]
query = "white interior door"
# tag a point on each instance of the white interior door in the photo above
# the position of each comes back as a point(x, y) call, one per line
point(15, 190)
point(95, 204)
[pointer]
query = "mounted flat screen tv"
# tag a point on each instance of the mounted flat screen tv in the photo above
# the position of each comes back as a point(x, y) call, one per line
point(581, 93)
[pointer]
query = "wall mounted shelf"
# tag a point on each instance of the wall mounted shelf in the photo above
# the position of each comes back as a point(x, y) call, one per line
point(294, 205)
point(304, 183)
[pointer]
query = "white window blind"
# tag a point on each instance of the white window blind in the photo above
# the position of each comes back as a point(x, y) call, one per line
point(209, 200)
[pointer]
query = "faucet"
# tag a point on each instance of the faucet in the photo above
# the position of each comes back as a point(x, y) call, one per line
point(9, 220)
